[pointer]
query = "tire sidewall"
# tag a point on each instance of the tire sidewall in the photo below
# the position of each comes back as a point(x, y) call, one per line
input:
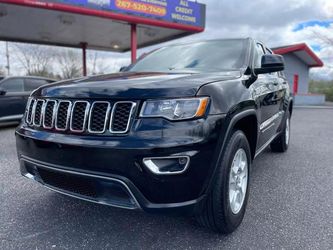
point(285, 145)
point(237, 140)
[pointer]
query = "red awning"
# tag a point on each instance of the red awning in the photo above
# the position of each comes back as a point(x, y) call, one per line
point(303, 52)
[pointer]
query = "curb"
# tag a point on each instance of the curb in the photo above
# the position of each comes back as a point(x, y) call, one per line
point(313, 107)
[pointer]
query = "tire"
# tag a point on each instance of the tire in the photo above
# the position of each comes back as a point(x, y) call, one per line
point(218, 212)
point(281, 143)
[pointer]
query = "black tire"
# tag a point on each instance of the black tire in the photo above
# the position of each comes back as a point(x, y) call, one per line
point(281, 143)
point(217, 213)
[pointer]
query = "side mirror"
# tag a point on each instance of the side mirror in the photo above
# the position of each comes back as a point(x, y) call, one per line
point(270, 64)
point(2, 91)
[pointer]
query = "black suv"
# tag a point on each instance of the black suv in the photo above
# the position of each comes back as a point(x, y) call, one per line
point(14, 93)
point(176, 132)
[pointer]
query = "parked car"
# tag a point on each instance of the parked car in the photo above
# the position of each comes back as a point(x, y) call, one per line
point(177, 132)
point(14, 93)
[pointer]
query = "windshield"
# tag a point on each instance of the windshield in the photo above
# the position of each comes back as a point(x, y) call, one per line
point(209, 56)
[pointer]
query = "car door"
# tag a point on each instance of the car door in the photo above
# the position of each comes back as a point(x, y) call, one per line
point(279, 86)
point(13, 101)
point(265, 89)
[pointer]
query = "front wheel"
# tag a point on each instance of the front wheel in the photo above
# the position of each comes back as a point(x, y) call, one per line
point(225, 205)
point(281, 143)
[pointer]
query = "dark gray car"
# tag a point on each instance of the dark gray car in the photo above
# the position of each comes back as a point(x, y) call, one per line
point(14, 93)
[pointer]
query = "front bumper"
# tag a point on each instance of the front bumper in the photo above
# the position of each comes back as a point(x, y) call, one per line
point(112, 168)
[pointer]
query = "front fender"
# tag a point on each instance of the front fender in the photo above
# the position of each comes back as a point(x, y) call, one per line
point(227, 129)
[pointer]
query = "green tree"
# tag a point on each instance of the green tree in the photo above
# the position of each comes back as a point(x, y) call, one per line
point(322, 87)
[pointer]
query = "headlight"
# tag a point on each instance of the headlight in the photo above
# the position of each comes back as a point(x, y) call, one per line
point(175, 109)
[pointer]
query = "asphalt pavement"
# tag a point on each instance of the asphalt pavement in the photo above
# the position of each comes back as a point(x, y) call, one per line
point(290, 205)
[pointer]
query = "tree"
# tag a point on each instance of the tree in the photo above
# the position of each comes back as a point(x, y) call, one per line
point(34, 59)
point(328, 40)
point(70, 64)
point(95, 63)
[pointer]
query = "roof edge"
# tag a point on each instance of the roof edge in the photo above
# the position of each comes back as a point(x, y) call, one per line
point(299, 47)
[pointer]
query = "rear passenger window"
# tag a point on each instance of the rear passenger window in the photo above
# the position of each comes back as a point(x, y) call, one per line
point(13, 85)
point(32, 84)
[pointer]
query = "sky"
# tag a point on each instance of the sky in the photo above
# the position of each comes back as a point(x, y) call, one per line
point(276, 23)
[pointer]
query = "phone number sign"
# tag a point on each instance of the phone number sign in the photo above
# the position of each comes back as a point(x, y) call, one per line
point(179, 11)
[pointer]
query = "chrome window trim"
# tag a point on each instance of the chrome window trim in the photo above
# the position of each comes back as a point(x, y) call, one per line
point(68, 114)
point(129, 117)
point(53, 113)
point(41, 113)
point(105, 119)
point(86, 113)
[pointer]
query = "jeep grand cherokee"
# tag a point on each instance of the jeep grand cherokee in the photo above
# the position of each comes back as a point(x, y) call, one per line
point(176, 132)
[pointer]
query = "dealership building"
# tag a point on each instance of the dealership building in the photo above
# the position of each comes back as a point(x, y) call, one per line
point(299, 59)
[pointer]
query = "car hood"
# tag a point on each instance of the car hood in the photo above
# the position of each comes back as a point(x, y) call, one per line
point(131, 85)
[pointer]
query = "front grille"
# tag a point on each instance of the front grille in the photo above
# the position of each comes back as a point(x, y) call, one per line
point(120, 116)
point(96, 117)
point(49, 114)
point(79, 114)
point(70, 183)
point(89, 187)
point(63, 113)
point(29, 115)
point(37, 120)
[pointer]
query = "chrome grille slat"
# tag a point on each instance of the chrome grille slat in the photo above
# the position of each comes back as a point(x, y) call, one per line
point(97, 121)
point(80, 116)
point(62, 115)
point(33, 112)
point(38, 113)
point(121, 117)
point(49, 114)
point(30, 107)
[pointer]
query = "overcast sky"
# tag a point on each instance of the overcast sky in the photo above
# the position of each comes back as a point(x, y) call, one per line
point(276, 23)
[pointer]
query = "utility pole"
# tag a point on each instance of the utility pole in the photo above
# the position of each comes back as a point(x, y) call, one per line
point(7, 56)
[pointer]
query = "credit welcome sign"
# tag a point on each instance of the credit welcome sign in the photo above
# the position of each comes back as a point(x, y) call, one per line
point(174, 11)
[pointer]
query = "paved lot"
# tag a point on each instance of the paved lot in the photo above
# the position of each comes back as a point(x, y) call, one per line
point(290, 205)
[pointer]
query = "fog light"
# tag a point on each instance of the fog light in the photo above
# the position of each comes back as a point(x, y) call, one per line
point(167, 165)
